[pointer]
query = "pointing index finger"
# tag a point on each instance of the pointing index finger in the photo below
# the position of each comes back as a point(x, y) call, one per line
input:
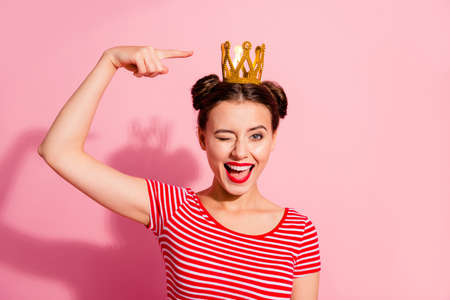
point(172, 53)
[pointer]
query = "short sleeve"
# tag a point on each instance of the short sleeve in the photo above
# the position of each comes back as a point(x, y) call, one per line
point(164, 199)
point(308, 258)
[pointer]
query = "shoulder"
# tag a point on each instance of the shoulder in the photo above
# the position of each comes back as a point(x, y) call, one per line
point(164, 189)
point(300, 222)
point(165, 184)
point(298, 217)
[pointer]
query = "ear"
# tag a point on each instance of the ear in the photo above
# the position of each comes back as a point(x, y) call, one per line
point(274, 138)
point(201, 138)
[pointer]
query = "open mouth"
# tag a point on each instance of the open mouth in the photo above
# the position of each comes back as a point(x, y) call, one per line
point(239, 174)
point(237, 169)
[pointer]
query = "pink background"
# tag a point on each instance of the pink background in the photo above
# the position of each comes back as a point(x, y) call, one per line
point(364, 150)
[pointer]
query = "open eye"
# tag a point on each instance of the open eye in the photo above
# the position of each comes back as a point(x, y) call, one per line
point(257, 136)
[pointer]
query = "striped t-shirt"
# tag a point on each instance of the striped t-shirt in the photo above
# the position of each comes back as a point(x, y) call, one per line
point(205, 260)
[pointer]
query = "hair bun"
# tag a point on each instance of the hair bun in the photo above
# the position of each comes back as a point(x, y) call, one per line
point(279, 94)
point(202, 88)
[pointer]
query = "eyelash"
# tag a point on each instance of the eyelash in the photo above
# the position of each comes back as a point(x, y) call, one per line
point(261, 136)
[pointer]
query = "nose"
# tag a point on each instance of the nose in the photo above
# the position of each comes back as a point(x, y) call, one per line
point(240, 150)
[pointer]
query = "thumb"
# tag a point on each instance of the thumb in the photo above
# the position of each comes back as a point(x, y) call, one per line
point(173, 53)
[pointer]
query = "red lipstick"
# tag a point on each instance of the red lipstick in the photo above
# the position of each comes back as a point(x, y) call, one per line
point(233, 163)
point(236, 179)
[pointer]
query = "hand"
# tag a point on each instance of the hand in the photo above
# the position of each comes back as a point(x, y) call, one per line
point(143, 60)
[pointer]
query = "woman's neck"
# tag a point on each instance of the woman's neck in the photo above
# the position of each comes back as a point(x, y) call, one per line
point(219, 198)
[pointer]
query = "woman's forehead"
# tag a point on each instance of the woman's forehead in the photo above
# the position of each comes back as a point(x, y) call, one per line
point(239, 115)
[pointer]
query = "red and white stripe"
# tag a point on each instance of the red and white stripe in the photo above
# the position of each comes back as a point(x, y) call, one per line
point(205, 260)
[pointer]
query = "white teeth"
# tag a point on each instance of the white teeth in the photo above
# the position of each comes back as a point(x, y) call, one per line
point(239, 168)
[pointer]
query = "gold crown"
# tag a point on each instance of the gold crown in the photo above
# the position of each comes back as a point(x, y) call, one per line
point(251, 71)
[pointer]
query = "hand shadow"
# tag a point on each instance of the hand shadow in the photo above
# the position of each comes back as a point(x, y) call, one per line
point(126, 270)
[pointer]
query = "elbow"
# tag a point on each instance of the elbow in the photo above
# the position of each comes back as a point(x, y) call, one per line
point(46, 156)
point(51, 155)
point(40, 151)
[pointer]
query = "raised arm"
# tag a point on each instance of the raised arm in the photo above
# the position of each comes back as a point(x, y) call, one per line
point(63, 146)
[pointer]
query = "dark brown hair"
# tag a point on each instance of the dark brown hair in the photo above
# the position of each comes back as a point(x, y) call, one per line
point(208, 91)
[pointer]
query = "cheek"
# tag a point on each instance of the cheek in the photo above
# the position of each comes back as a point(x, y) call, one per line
point(217, 152)
point(262, 151)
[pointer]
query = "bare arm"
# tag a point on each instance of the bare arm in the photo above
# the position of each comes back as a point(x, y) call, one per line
point(63, 146)
point(71, 126)
point(306, 287)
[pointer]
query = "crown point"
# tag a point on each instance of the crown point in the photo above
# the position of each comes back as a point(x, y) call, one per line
point(251, 71)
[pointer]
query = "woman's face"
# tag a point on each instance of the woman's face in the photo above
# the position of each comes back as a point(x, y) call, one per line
point(238, 140)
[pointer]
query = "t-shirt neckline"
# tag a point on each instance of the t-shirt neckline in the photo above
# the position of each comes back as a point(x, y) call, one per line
point(286, 209)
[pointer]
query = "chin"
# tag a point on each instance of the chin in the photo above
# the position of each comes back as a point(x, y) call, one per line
point(236, 189)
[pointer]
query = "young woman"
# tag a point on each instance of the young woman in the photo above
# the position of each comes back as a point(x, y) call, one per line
point(227, 241)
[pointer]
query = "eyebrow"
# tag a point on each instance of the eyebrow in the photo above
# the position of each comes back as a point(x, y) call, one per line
point(231, 131)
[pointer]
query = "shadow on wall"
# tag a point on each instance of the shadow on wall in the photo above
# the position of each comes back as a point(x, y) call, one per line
point(126, 270)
